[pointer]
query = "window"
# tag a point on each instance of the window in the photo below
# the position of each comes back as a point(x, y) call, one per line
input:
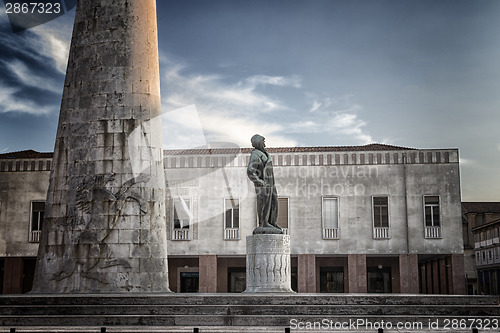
point(182, 219)
point(330, 218)
point(380, 217)
point(381, 212)
point(432, 217)
point(37, 213)
point(283, 214)
point(231, 219)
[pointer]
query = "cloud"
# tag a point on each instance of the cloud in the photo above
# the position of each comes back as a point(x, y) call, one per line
point(29, 78)
point(54, 44)
point(291, 81)
point(212, 91)
point(10, 103)
point(227, 111)
point(350, 124)
point(316, 105)
point(333, 115)
point(466, 161)
point(33, 64)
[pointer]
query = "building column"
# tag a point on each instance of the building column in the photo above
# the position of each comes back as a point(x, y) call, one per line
point(208, 273)
point(408, 273)
point(457, 274)
point(306, 273)
point(356, 266)
point(13, 275)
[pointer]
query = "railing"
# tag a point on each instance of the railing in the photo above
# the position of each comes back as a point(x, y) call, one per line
point(231, 233)
point(381, 232)
point(35, 236)
point(180, 234)
point(331, 233)
point(432, 232)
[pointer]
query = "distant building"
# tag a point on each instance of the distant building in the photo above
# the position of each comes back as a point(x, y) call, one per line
point(483, 220)
point(373, 218)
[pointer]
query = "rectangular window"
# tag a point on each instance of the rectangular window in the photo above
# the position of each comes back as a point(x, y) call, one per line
point(381, 212)
point(231, 219)
point(380, 208)
point(330, 218)
point(283, 214)
point(182, 214)
point(37, 213)
point(432, 217)
point(478, 258)
point(182, 219)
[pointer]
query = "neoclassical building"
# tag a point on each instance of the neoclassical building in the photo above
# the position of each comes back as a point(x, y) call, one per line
point(374, 218)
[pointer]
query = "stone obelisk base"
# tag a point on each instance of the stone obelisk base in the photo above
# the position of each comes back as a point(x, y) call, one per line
point(268, 264)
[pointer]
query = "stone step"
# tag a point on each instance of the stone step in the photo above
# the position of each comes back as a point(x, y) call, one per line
point(205, 329)
point(241, 310)
point(247, 299)
point(227, 321)
point(252, 310)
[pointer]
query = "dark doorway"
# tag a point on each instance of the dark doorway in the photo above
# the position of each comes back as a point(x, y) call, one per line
point(28, 274)
point(236, 279)
point(379, 279)
point(190, 282)
point(331, 279)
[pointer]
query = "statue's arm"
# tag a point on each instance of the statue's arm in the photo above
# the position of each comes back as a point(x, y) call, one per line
point(253, 171)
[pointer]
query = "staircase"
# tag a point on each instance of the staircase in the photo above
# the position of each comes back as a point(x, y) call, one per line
point(246, 313)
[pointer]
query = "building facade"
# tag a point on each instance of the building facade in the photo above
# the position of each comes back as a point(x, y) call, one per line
point(373, 218)
point(483, 220)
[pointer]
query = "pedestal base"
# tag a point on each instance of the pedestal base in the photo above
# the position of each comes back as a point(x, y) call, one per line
point(268, 264)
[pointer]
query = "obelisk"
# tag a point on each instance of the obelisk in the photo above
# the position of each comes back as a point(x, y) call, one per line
point(104, 229)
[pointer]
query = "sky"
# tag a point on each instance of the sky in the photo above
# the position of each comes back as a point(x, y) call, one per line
point(412, 73)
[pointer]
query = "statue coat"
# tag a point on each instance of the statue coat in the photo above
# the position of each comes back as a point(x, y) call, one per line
point(260, 172)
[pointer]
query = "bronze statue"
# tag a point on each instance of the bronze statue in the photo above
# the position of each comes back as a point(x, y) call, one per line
point(260, 172)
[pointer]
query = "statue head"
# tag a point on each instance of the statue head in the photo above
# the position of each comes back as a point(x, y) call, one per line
point(258, 141)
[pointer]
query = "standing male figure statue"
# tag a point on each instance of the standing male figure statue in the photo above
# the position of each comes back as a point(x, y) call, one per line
point(260, 172)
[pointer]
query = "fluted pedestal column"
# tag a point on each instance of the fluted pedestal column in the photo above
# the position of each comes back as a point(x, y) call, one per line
point(268, 264)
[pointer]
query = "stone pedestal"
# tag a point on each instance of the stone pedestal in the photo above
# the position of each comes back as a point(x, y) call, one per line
point(268, 264)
